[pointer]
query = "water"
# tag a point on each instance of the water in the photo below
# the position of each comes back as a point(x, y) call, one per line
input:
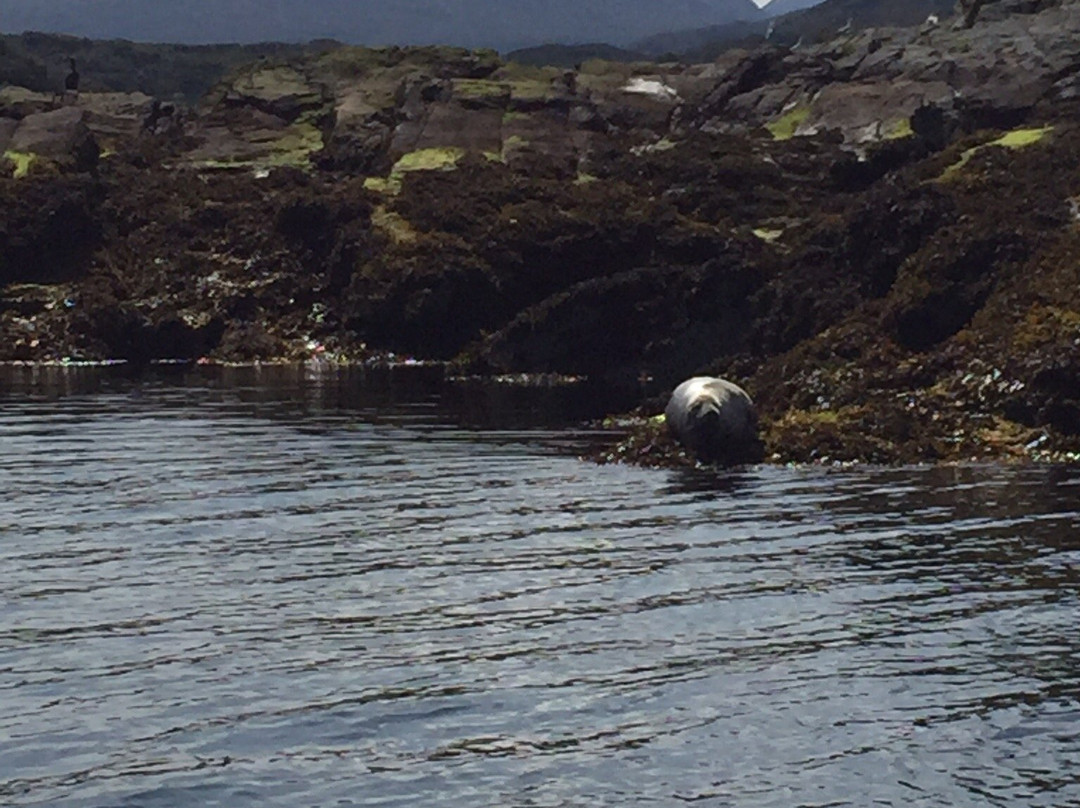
point(277, 590)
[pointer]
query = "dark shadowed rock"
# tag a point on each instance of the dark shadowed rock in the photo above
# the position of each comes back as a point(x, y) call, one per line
point(7, 129)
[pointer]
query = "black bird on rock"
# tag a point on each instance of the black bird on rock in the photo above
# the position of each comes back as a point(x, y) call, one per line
point(71, 82)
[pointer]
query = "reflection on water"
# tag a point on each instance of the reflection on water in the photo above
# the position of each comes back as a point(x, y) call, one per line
point(286, 590)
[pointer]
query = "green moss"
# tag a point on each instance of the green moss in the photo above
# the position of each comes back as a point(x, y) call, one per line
point(22, 162)
point(537, 90)
point(899, 129)
point(292, 147)
point(585, 179)
point(1046, 325)
point(420, 160)
point(809, 420)
point(603, 67)
point(435, 159)
point(295, 148)
point(1016, 139)
point(662, 145)
point(477, 89)
point(1019, 138)
point(509, 144)
point(383, 185)
point(356, 62)
point(955, 168)
point(516, 72)
point(784, 127)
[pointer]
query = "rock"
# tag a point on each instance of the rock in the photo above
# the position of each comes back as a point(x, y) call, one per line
point(715, 419)
point(866, 86)
point(278, 90)
point(49, 229)
point(691, 315)
point(18, 102)
point(247, 137)
point(7, 129)
point(873, 110)
point(61, 136)
point(115, 118)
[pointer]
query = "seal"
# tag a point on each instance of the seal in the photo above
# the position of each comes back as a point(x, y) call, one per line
point(715, 419)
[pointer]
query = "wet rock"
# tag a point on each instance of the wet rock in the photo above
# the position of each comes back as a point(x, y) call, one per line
point(49, 229)
point(938, 292)
point(671, 320)
point(428, 298)
point(361, 149)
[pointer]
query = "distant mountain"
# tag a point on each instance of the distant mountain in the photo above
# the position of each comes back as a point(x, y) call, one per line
point(702, 44)
point(39, 62)
point(500, 24)
point(825, 19)
point(778, 8)
point(791, 21)
point(570, 55)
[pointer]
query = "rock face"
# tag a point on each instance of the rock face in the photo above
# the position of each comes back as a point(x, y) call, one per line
point(879, 234)
point(715, 419)
point(60, 135)
point(865, 84)
point(7, 129)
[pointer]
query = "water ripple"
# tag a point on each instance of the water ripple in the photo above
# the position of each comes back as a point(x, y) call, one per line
point(311, 592)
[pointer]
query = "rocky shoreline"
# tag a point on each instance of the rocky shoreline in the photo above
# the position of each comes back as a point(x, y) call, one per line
point(878, 237)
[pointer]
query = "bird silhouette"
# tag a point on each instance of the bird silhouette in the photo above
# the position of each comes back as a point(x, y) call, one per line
point(71, 82)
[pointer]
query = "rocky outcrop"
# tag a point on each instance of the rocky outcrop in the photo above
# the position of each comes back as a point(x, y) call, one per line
point(877, 235)
point(60, 136)
point(18, 102)
point(867, 84)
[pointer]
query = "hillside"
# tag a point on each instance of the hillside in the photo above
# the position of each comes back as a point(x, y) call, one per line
point(39, 62)
point(500, 24)
point(877, 234)
point(571, 55)
point(778, 8)
point(823, 21)
point(793, 21)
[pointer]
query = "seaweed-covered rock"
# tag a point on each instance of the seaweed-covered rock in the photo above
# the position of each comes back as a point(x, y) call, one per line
point(664, 321)
point(49, 228)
